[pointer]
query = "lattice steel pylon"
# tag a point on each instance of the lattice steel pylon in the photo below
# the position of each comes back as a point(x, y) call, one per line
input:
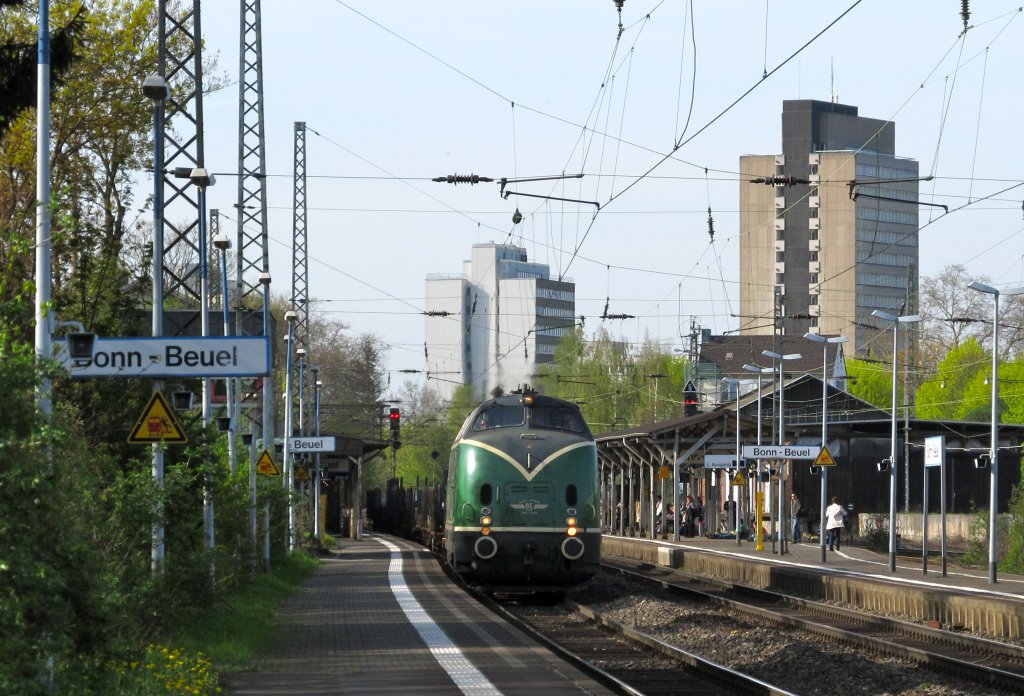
point(181, 58)
point(252, 254)
point(300, 265)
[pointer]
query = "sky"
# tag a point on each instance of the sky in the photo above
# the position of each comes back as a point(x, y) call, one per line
point(395, 93)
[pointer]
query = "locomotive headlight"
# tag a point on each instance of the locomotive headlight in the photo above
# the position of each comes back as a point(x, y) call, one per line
point(485, 521)
point(528, 400)
point(571, 531)
point(486, 531)
point(571, 521)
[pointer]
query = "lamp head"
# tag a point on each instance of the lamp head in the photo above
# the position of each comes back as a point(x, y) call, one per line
point(291, 316)
point(202, 177)
point(80, 346)
point(265, 278)
point(181, 400)
point(155, 87)
point(221, 241)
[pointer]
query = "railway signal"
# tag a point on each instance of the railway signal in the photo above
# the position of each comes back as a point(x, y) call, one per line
point(395, 419)
point(690, 407)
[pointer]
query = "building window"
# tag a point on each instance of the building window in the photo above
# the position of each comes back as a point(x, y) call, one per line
point(780, 256)
point(780, 278)
point(814, 277)
point(813, 256)
point(780, 235)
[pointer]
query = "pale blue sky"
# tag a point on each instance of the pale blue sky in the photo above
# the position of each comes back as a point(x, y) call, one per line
point(382, 108)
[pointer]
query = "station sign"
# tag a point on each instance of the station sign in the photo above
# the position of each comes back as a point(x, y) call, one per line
point(171, 356)
point(719, 461)
point(311, 444)
point(781, 451)
point(934, 449)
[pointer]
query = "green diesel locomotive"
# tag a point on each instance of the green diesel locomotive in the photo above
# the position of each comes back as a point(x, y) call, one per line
point(522, 497)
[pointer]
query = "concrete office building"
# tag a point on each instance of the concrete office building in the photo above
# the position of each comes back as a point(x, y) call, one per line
point(496, 322)
point(829, 231)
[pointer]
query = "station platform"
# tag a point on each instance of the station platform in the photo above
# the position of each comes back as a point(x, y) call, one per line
point(963, 598)
point(380, 616)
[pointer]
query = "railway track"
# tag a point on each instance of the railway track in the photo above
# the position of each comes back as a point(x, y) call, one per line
point(625, 659)
point(968, 657)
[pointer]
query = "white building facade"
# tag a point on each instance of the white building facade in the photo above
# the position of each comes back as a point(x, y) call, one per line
point(495, 323)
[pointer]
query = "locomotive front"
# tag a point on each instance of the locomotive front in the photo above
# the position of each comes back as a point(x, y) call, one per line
point(522, 496)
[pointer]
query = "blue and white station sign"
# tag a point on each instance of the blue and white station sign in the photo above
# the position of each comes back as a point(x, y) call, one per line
point(171, 356)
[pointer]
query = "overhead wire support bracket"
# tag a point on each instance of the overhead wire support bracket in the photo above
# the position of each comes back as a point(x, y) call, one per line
point(854, 194)
point(506, 194)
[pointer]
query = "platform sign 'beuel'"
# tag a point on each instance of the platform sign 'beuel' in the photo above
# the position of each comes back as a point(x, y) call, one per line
point(311, 444)
point(781, 451)
point(171, 356)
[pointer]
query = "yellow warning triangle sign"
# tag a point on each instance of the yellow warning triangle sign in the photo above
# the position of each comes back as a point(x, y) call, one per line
point(739, 479)
point(300, 474)
point(265, 465)
point(824, 458)
point(157, 424)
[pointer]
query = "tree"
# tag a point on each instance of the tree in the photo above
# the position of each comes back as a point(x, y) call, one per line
point(952, 313)
point(616, 387)
point(99, 127)
point(871, 381)
point(952, 394)
point(19, 55)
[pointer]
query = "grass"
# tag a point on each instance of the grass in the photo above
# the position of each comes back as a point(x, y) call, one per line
point(235, 630)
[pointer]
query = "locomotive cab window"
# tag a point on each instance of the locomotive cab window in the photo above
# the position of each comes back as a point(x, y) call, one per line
point(559, 418)
point(499, 417)
point(485, 494)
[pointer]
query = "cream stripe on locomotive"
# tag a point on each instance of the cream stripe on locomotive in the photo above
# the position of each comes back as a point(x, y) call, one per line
point(526, 474)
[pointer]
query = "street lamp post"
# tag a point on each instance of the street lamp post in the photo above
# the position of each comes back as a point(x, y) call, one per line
point(781, 359)
point(896, 321)
point(318, 385)
point(222, 243)
point(155, 87)
point(824, 428)
point(291, 316)
point(266, 428)
point(202, 179)
point(760, 372)
point(737, 499)
point(993, 528)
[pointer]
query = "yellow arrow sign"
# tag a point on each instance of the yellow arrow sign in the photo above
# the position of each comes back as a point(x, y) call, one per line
point(265, 465)
point(824, 458)
point(157, 424)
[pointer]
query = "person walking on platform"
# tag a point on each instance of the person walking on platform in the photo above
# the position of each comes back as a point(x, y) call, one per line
point(799, 513)
point(836, 516)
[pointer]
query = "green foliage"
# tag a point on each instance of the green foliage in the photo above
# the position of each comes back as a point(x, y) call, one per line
point(958, 390)
point(165, 670)
point(977, 541)
point(615, 387)
point(871, 381)
point(233, 631)
point(1013, 560)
